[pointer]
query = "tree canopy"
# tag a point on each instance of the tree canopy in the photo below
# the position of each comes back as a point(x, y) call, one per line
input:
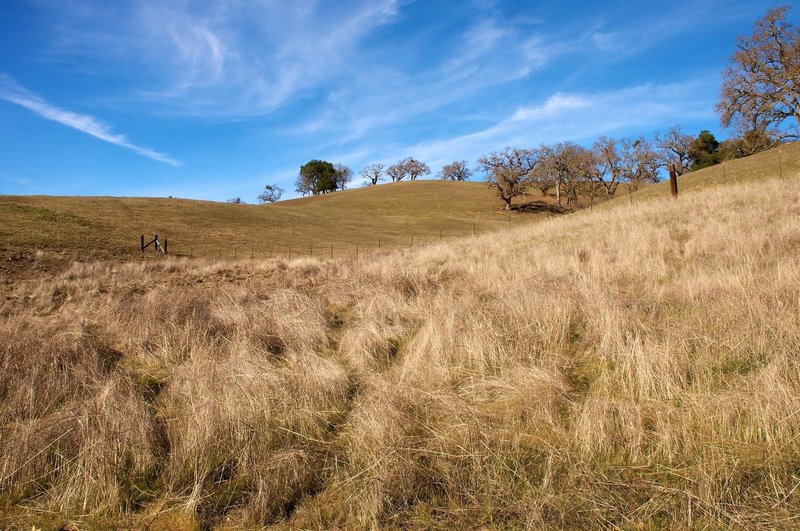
point(455, 171)
point(271, 194)
point(410, 167)
point(415, 168)
point(703, 151)
point(508, 172)
point(761, 86)
point(321, 177)
point(674, 144)
point(372, 173)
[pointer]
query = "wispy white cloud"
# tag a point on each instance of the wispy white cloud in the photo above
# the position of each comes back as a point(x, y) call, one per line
point(231, 60)
point(483, 55)
point(16, 180)
point(12, 92)
point(225, 59)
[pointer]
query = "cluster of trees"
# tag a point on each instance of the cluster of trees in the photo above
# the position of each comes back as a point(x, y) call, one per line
point(321, 177)
point(566, 166)
point(410, 167)
point(706, 150)
point(760, 93)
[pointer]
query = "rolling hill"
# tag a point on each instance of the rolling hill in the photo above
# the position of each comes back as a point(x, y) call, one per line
point(390, 213)
point(631, 367)
point(45, 233)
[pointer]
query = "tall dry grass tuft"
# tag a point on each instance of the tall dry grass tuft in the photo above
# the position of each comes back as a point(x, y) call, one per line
point(74, 429)
point(635, 367)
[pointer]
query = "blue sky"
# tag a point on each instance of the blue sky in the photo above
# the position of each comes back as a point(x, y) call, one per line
point(212, 100)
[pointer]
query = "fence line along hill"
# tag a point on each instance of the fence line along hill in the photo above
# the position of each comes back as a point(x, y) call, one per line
point(390, 213)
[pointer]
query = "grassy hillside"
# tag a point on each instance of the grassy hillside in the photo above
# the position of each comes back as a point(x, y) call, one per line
point(778, 162)
point(391, 213)
point(632, 367)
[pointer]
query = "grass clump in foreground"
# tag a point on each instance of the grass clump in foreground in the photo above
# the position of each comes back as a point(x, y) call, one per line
point(635, 367)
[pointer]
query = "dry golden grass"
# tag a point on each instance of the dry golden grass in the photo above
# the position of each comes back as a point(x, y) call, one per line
point(633, 367)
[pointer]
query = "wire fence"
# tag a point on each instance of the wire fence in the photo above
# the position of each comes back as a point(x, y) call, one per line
point(342, 249)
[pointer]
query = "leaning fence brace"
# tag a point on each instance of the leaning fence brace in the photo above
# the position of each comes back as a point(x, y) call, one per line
point(155, 243)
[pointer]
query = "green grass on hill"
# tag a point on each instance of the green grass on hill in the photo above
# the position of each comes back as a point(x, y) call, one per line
point(393, 214)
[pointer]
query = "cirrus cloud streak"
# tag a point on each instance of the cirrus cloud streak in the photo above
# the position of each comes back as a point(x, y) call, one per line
point(14, 93)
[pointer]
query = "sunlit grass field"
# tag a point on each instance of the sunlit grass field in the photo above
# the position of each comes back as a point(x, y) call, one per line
point(634, 365)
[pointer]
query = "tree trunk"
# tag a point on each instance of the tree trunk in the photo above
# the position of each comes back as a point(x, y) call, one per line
point(558, 193)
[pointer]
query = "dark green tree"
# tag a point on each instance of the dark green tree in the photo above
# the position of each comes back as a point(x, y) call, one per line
point(704, 151)
point(316, 177)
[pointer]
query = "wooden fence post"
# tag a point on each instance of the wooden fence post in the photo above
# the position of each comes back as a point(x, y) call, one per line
point(673, 180)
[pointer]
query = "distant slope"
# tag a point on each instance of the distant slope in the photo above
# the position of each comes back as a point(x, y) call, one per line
point(338, 224)
point(389, 215)
point(782, 161)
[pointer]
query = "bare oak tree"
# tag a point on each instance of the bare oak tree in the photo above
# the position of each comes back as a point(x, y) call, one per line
point(410, 167)
point(566, 165)
point(271, 194)
point(608, 164)
point(455, 171)
point(508, 172)
point(541, 180)
point(675, 147)
point(397, 172)
point(640, 162)
point(372, 174)
point(342, 176)
point(415, 168)
point(761, 87)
